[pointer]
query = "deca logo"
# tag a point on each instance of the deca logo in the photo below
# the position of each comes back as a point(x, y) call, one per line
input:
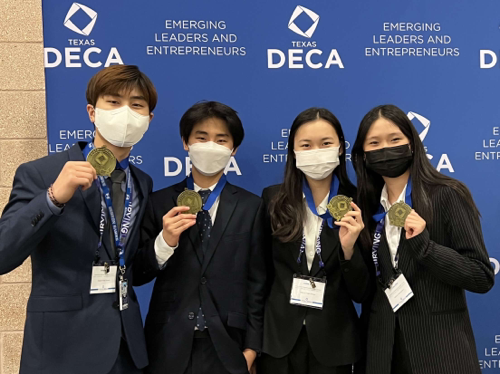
point(296, 13)
point(74, 55)
point(173, 166)
point(75, 7)
point(304, 54)
point(444, 161)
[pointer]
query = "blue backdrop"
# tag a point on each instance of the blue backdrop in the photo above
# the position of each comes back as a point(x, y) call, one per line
point(269, 60)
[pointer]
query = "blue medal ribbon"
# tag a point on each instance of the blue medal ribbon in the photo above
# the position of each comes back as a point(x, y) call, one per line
point(380, 218)
point(334, 190)
point(120, 236)
point(214, 194)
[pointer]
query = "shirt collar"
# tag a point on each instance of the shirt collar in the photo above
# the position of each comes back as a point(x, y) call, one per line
point(384, 198)
point(197, 188)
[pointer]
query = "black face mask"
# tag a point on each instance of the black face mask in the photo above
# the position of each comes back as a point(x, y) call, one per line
point(390, 162)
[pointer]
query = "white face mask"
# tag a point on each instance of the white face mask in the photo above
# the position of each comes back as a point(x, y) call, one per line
point(209, 158)
point(121, 127)
point(317, 163)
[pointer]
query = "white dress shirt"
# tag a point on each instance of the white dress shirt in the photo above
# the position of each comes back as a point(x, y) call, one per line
point(311, 229)
point(392, 233)
point(163, 250)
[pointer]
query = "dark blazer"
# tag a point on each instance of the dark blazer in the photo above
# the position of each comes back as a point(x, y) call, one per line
point(446, 259)
point(229, 280)
point(67, 329)
point(333, 332)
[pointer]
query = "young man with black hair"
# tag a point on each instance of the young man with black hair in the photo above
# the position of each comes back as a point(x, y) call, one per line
point(82, 315)
point(206, 312)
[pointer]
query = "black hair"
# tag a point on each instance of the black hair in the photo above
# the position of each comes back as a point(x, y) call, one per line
point(425, 178)
point(287, 208)
point(204, 110)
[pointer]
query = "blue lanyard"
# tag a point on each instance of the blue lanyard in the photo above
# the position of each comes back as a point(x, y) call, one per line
point(334, 190)
point(214, 194)
point(318, 247)
point(120, 237)
point(380, 218)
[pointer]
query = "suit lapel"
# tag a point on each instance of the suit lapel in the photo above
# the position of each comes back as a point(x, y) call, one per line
point(227, 204)
point(92, 196)
point(329, 241)
point(403, 258)
point(193, 232)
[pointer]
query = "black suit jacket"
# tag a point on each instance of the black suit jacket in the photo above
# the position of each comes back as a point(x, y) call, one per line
point(333, 332)
point(68, 331)
point(442, 262)
point(229, 280)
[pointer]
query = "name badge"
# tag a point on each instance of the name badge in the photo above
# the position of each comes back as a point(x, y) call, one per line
point(103, 279)
point(308, 291)
point(399, 292)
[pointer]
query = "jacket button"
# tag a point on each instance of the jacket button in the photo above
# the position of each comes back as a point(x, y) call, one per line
point(116, 305)
point(34, 222)
point(203, 280)
point(42, 215)
point(191, 315)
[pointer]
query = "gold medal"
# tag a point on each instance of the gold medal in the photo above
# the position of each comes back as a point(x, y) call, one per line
point(339, 206)
point(103, 161)
point(398, 213)
point(191, 199)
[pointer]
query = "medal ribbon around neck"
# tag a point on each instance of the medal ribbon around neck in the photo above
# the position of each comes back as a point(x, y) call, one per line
point(214, 194)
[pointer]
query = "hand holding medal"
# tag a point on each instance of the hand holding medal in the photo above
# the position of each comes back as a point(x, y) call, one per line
point(74, 174)
point(351, 225)
point(414, 225)
point(175, 222)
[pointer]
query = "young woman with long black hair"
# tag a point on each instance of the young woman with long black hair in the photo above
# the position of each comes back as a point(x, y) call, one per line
point(424, 244)
point(310, 323)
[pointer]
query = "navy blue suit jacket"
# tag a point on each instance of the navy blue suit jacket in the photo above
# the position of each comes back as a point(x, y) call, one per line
point(67, 330)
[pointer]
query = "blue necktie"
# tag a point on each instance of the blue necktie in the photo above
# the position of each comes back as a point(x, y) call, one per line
point(204, 222)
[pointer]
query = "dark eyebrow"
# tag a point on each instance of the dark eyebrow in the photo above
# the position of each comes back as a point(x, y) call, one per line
point(222, 135)
point(328, 137)
point(138, 98)
point(201, 132)
point(113, 94)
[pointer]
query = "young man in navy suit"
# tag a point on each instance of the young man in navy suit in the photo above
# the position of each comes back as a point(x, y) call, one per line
point(206, 311)
point(81, 231)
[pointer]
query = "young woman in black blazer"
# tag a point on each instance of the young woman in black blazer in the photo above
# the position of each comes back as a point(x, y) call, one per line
point(438, 249)
point(301, 339)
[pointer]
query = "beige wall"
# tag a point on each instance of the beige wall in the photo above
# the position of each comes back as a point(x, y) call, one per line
point(22, 138)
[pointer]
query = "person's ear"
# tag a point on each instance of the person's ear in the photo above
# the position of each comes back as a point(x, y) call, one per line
point(234, 151)
point(186, 148)
point(91, 112)
point(151, 116)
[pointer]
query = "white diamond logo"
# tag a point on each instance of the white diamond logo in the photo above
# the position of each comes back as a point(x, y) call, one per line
point(75, 7)
point(313, 16)
point(424, 121)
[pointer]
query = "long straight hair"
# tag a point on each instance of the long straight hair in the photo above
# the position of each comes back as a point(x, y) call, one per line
point(287, 208)
point(425, 178)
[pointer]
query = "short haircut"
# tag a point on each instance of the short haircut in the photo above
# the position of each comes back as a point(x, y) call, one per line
point(204, 110)
point(115, 78)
